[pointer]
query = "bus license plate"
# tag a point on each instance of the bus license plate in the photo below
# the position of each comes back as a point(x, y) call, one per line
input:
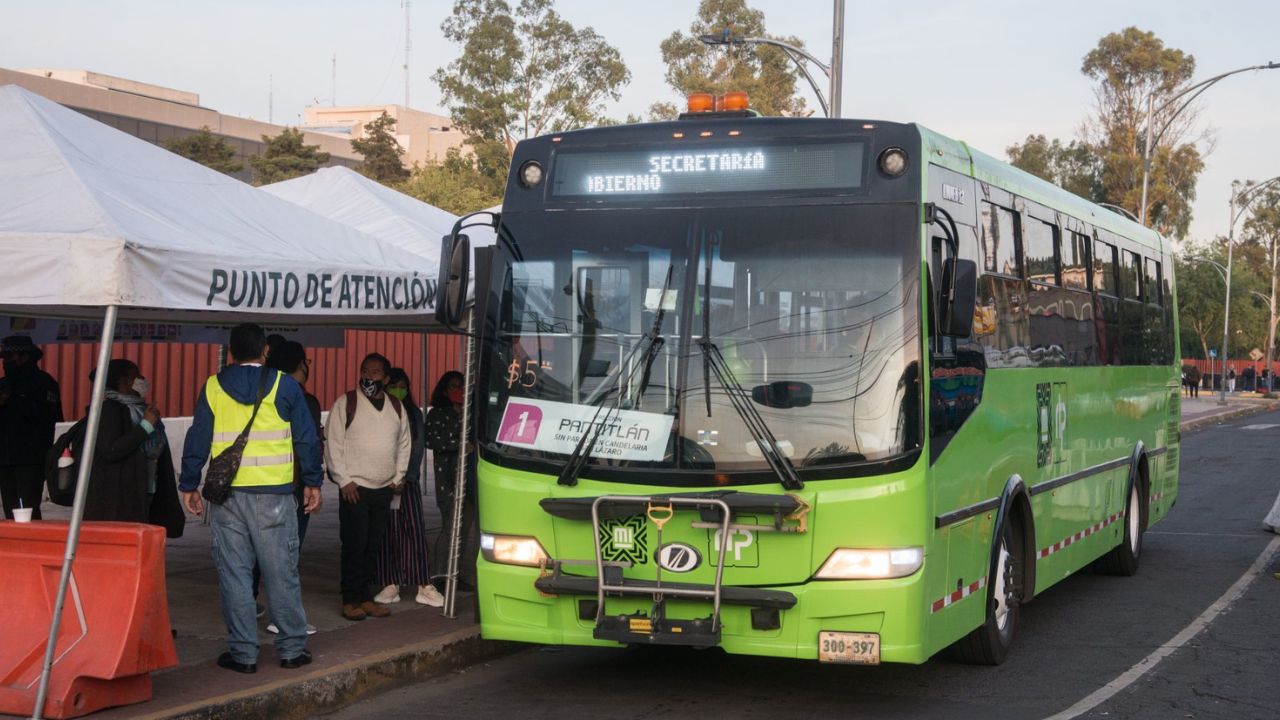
point(854, 648)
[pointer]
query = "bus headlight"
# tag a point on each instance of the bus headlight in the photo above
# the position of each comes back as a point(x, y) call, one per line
point(864, 564)
point(512, 550)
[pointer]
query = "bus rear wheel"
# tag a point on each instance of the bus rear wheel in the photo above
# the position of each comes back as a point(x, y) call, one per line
point(989, 643)
point(1123, 559)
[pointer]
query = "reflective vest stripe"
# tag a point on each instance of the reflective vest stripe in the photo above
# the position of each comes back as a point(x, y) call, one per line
point(268, 453)
point(229, 437)
point(261, 460)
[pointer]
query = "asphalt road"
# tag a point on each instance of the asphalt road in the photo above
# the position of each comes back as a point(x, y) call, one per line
point(1074, 640)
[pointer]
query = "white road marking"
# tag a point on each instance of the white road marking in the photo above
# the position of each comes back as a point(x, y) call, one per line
point(1260, 426)
point(1144, 666)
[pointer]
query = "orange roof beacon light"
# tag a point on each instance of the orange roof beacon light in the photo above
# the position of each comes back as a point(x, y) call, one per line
point(735, 101)
point(702, 102)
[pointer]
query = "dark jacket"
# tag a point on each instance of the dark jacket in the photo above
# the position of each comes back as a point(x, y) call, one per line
point(416, 449)
point(118, 481)
point(28, 417)
point(241, 383)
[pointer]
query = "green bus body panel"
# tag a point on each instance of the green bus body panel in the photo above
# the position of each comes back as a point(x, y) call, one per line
point(1096, 418)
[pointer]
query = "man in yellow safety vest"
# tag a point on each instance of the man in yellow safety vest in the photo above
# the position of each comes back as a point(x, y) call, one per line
point(258, 522)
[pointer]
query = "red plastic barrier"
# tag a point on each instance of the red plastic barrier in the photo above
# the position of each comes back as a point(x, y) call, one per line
point(115, 621)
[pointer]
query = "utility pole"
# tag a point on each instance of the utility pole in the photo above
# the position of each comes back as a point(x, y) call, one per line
point(837, 57)
point(408, 45)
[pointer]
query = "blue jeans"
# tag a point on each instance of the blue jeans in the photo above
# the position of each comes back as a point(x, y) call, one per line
point(261, 529)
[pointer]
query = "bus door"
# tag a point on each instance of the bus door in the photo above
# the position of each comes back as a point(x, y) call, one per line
point(607, 295)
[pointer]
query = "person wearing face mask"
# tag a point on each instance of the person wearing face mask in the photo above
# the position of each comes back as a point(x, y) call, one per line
point(30, 407)
point(402, 554)
point(132, 479)
point(367, 449)
point(443, 428)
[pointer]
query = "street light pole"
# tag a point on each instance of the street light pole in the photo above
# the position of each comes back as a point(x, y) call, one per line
point(1194, 91)
point(833, 71)
point(837, 58)
point(1242, 200)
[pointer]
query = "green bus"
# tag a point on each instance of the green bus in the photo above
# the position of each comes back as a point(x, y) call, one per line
point(829, 389)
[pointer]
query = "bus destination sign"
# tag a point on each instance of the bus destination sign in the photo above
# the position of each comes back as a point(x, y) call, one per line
point(680, 171)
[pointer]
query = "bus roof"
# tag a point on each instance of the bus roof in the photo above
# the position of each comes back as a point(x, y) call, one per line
point(958, 156)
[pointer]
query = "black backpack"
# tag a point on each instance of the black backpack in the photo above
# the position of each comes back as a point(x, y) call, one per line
point(61, 482)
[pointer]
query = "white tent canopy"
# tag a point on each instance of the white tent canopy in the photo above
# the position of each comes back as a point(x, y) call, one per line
point(345, 195)
point(92, 217)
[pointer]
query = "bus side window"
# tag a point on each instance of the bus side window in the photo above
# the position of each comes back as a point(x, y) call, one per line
point(1075, 263)
point(1104, 269)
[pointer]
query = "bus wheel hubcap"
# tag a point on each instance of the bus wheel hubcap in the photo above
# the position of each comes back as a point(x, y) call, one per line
point(1134, 521)
point(1003, 588)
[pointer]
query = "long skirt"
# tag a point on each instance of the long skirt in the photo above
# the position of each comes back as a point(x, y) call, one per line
point(402, 555)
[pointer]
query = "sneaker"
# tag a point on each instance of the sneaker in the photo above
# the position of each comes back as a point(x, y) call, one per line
point(390, 594)
point(372, 609)
point(275, 630)
point(429, 596)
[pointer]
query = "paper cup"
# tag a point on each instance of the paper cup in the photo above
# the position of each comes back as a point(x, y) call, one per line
point(22, 515)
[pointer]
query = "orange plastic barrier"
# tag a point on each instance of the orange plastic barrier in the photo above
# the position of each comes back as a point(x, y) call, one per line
point(115, 621)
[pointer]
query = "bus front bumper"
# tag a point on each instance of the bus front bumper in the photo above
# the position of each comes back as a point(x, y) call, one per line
point(522, 604)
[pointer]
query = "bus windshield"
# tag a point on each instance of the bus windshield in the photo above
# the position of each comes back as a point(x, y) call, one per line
point(813, 311)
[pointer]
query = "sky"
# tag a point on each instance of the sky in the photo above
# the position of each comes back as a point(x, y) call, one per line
point(989, 73)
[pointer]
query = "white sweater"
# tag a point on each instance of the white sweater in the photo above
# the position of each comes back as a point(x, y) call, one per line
point(374, 451)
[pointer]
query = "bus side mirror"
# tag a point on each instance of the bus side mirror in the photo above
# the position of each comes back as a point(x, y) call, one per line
point(961, 286)
point(451, 288)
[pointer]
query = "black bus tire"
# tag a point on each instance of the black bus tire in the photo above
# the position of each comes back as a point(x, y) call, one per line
point(989, 643)
point(1123, 559)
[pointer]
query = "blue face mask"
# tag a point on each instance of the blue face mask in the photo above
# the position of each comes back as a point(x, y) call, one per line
point(369, 387)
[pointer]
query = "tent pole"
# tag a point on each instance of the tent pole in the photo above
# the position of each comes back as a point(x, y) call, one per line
point(460, 481)
point(424, 392)
point(77, 509)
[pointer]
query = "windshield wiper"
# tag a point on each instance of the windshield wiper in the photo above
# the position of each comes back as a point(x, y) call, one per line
point(751, 418)
point(738, 398)
point(652, 344)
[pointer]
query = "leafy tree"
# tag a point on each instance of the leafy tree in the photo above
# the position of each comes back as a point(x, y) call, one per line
point(1262, 230)
point(764, 72)
point(207, 149)
point(457, 184)
point(1129, 68)
point(381, 151)
point(284, 157)
point(525, 73)
point(1200, 298)
point(1072, 166)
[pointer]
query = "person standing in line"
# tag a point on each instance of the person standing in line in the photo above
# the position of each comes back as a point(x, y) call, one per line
point(443, 428)
point(290, 358)
point(367, 447)
point(132, 478)
point(30, 408)
point(402, 555)
point(1231, 379)
point(257, 523)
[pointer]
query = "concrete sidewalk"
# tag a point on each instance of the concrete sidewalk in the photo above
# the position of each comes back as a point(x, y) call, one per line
point(353, 659)
point(1205, 410)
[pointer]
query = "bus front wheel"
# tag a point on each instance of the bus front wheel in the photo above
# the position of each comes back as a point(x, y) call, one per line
point(989, 643)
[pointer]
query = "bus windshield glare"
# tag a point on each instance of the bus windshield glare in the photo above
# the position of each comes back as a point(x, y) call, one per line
point(814, 309)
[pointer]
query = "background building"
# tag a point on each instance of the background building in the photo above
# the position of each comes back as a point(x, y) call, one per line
point(425, 137)
point(157, 114)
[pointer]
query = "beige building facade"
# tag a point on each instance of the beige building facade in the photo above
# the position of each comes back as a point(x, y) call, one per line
point(157, 114)
point(426, 137)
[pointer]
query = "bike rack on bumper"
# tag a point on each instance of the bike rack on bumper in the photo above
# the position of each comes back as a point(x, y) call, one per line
point(655, 628)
